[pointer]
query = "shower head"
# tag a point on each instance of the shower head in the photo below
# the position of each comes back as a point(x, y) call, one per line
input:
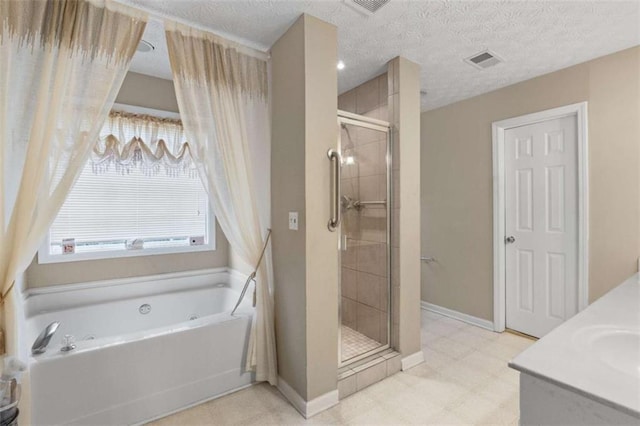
point(349, 144)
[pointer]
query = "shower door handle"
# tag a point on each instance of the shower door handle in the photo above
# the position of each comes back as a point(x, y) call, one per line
point(336, 162)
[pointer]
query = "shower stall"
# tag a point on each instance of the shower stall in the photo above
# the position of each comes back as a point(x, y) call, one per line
point(362, 217)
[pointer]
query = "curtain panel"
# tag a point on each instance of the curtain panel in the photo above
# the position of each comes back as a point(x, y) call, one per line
point(141, 141)
point(221, 89)
point(62, 63)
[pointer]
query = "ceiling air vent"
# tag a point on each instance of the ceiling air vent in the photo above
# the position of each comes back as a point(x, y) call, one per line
point(367, 7)
point(483, 60)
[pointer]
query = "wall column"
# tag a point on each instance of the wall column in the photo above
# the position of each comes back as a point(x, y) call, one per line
point(404, 116)
point(304, 127)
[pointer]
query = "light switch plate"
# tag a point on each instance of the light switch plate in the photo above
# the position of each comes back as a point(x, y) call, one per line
point(293, 221)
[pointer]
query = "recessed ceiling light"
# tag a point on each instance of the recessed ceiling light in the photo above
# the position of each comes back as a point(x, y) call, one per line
point(144, 46)
point(340, 65)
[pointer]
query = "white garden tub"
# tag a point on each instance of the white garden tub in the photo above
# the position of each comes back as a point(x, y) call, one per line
point(129, 367)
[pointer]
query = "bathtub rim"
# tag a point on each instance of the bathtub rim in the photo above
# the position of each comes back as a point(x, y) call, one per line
point(38, 301)
point(86, 346)
point(50, 299)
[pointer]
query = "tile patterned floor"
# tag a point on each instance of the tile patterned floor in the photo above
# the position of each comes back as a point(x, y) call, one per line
point(464, 381)
point(355, 343)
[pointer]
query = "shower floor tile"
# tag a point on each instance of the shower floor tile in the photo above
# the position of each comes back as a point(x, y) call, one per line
point(355, 343)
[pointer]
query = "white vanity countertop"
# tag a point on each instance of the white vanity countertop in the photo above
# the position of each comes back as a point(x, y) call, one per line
point(596, 353)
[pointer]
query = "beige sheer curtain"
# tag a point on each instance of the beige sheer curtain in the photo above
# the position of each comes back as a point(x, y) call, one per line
point(62, 63)
point(158, 145)
point(222, 95)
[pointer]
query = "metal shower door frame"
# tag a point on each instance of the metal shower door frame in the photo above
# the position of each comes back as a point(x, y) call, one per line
point(345, 117)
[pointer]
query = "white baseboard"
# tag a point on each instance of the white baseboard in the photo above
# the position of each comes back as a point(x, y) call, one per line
point(412, 360)
point(307, 408)
point(321, 403)
point(469, 319)
point(292, 396)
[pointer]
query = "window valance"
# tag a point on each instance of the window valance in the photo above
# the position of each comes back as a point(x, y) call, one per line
point(141, 141)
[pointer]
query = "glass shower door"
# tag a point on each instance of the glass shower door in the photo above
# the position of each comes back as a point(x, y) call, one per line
point(365, 296)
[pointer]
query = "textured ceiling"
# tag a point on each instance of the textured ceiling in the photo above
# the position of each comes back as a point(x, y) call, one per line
point(533, 37)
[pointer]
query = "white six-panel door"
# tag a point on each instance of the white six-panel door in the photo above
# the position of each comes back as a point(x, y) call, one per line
point(541, 225)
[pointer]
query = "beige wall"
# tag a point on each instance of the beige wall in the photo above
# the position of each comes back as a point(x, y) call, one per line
point(149, 92)
point(304, 103)
point(457, 179)
point(404, 116)
point(288, 183)
point(321, 104)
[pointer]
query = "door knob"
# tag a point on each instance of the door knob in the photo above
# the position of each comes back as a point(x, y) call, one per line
point(510, 240)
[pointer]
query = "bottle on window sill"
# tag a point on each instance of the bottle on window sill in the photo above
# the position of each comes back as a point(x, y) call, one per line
point(137, 244)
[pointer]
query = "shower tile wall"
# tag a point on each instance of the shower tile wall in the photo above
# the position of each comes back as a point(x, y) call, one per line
point(364, 264)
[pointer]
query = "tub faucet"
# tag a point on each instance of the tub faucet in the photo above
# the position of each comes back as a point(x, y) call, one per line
point(40, 345)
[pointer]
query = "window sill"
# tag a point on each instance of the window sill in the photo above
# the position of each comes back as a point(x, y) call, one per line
point(44, 258)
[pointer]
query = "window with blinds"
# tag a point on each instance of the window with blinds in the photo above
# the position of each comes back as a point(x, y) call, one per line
point(118, 213)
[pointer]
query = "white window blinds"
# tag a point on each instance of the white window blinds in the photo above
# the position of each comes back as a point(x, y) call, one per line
point(134, 210)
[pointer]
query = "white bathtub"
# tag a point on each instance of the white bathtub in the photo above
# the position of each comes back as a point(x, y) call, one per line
point(130, 367)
